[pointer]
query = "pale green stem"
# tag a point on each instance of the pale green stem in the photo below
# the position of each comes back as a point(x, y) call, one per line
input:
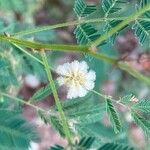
point(26, 103)
point(72, 23)
point(28, 53)
point(115, 29)
point(81, 49)
point(57, 101)
point(109, 97)
point(59, 47)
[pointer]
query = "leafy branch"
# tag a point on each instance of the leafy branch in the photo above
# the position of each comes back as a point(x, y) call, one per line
point(132, 17)
point(77, 48)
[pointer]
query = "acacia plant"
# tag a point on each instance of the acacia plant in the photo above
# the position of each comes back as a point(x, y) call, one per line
point(27, 49)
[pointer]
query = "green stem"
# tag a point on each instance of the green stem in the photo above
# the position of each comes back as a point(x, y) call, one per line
point(81, 49)
point(27, 53)
point(30, 55)
point(57, 101)
point(24, 102)
point(120, 26)
point(72, 23)
point(59, 47)
point(39, 46)
point(109, 97)
point(104, 57)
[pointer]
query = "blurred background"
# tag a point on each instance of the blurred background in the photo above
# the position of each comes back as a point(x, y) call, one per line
point(18, 15)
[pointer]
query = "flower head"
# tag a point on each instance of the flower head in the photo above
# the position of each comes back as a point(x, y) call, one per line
point(76, 77)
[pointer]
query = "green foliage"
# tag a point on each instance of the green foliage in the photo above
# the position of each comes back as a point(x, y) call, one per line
point(143, 123)
point(82, 9)
point(85, 116)
point(7, 74)
point(143, 105)
point(54, 121)
point(112, 6)
point(16, 5)
point(127, 99)
point(113, 115)
point(144, 3)
point(42, 93)
point(113, 146)
point(98, 130)
point(141, 30)
point(109, 25)
point(83, 110)
point(85, 34)
point(57, 147)
point(84, 144)
point(15, 132)
point(141, 27)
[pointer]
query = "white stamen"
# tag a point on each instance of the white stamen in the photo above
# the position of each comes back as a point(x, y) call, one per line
point(77, 78)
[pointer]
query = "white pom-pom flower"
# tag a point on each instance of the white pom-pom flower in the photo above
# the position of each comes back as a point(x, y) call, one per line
point(76, 77)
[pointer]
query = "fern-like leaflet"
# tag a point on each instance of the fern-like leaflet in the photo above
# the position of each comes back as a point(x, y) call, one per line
point(111, 6)
point(143, 105)
point(142, 122)
point(86, 142)
point(143, 3)
point(114, 118)
point(142, 27)
point(85, 34)
point(42, 93)
point(141, 30)
point(82, 9)
point(113, 146)
point(15, 132)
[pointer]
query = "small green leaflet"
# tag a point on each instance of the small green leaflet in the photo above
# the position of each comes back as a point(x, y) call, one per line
point(113, 146)
point(52, 120)
point(143, 105)
point(92, 115)
point(56, 147)
point(142, 4)
point(114, 118)
point(142, 122)
point(142, 27)
point(42, 93)
point(141, 30)
point(111, 6)
point(15, 132)
point(82, 9)
point(85, 34)
point(84, 144)
point(56, 123)
point(83, 110)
